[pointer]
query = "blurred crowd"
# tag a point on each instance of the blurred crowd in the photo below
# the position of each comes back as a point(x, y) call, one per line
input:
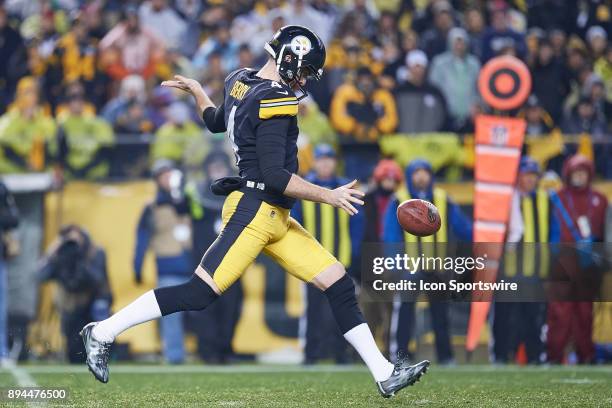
point(79, 83)
point(80, 94)
point(555, 239)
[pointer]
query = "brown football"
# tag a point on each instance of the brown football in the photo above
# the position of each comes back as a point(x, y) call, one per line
point(419, 217)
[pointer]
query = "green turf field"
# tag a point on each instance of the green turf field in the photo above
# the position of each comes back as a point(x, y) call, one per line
point(320, 386)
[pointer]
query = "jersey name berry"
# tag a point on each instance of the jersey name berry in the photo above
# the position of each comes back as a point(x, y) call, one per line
point(239, 89)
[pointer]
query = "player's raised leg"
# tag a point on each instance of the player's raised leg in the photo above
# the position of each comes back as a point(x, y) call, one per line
point(302, 256)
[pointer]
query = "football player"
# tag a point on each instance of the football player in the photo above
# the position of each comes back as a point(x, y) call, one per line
point(259, 116)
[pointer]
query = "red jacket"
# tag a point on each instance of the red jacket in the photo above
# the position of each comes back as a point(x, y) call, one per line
point(582, 201)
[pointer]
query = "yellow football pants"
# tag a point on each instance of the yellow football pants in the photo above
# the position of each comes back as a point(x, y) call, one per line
point(251, 226)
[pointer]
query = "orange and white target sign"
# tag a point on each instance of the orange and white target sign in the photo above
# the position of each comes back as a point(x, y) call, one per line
point(504, 82)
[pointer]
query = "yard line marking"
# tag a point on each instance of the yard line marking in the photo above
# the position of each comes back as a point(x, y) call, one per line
point(576, 381)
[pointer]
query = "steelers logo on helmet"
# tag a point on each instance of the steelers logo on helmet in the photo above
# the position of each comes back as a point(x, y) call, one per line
point(300, 45)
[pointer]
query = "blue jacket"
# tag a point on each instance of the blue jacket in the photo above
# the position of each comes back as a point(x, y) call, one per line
point(172, 265)
point(459, 224)
point(356, 222)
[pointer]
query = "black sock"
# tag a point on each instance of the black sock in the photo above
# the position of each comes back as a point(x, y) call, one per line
point(195, 294)
point(343, 302)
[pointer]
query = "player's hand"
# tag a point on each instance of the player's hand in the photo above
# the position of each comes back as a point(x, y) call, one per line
point(343, 197)
point(184, 84)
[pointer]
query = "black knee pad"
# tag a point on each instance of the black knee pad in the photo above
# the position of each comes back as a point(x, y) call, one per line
point(342, 299)
point(195, 294)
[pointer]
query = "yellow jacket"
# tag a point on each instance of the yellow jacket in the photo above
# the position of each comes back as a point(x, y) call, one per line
point(77, 62)
point(363, 128)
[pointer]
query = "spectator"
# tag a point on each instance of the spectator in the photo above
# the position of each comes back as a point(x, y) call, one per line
point(25, 130)
point(177, 64)
point(220, 43)
point(246, 59)
point(190, 11)
point(395, 72)
point(388, 176)
point(134, 120)
point(434, 40)
point(345, 57)
point(552, 14)
point(475, 26)
point(315, 125)
point(63, 108)
point(165, 228)
point(9, 219)
point(455, 73)
point(549, 80)
point(213, 79)
point(581, 211)
point(577, 58)
point(419, 183)
point(328, 8)
point(358, 21)
point(603, 68)
point(539, 122)
point(578, 69)
point(558, 41)
point(75, 59)
point(94, 15)
point(300, 12)
point(531, 221)
point(360, 113)
point(163, 21)
point(532, 40)
point(583, 119)
point(11, 50)
point(129, 48)
point(161, 99)
point(132, 89)
point(258, 26)
point(421, 106)
point(594, 88)
point(174, 138)
point(344, 243)
point(500, 38)
point(79, 267)
point(388, 32)
point(597, 40)
point(315, 129)
point(83, 140)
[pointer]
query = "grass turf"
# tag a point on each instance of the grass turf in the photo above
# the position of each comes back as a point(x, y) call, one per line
point(323, 386)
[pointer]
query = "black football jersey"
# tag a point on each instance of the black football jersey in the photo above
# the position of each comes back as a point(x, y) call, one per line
point(249, 101)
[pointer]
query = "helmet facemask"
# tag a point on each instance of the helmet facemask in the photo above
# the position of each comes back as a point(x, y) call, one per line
point(293, 64)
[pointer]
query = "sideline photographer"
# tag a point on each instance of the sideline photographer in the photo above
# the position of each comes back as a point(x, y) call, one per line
point(79, 268)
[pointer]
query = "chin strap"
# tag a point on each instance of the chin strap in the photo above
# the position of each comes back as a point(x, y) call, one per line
point(304, 93)
point(291, 82)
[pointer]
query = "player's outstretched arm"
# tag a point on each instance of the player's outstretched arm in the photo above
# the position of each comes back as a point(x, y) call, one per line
point(342, 197)
point(192, 87)
point(214, 118)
